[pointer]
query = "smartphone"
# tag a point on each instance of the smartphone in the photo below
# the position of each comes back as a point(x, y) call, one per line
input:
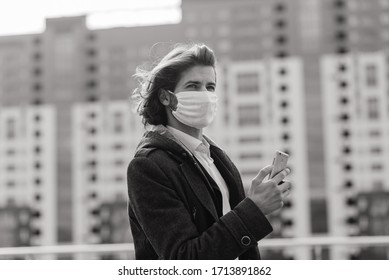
point(279, 162)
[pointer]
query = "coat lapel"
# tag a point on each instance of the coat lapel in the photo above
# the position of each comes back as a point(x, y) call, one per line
point(230, 177)
point(199, 188)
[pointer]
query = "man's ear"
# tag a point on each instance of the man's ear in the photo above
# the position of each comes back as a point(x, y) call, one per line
point(164, 97)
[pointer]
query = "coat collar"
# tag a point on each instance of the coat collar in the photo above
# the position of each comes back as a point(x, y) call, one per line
point(159, 137)
point(152, 138)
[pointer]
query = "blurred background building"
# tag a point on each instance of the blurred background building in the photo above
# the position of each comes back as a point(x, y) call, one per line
point(308, 77)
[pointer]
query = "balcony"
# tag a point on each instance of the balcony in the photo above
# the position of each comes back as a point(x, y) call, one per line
point(318, 246)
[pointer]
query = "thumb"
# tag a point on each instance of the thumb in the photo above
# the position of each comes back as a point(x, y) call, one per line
point(263, 173)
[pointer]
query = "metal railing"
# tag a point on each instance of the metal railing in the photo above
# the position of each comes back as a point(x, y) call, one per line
point(317, 243)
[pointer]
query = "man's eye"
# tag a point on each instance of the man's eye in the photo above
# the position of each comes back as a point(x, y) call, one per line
point(211, 88)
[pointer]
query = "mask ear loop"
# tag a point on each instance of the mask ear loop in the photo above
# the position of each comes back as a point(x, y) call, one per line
point(173, 101)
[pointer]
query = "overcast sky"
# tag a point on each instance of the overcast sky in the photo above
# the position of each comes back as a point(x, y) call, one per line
point(28, 16)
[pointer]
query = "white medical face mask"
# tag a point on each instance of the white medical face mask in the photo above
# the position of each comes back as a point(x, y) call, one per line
point(195, 108)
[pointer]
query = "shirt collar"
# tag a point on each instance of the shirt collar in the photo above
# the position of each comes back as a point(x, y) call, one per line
point(191, 143)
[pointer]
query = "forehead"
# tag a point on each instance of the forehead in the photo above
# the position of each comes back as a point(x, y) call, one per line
point(199, 73)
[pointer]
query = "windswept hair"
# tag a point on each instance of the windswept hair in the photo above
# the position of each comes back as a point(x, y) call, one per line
point(165, 75)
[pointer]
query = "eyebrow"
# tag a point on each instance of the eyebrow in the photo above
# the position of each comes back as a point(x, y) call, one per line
point(197, 82)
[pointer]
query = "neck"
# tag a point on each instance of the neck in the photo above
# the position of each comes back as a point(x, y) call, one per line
point(192, 131)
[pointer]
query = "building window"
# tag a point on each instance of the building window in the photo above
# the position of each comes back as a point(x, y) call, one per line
point(346, 150)
point(375, 133)
point(91, 115)
point(285, 137)
point(341, 36)
point(37, 41)
point(249, 115)
point(91, 37)
point(375, 150)
point(119, 179)
point(37, 56)
point(280, 8)
point(345, 133)
point(249, 173)
point(343, 100)
point(92, 98)
point(117, 146)
point(339, 4)
point(92, 163)
point(93, 178)
point(37, 118)
point(249, 156)
point(344, 117)
point(92, 68)
point(119, 162)
point(37, 181)
point(343, 84)
point(91, 52)
point(10, 184)
point(287, 151)
point(371, 75)
point(11, 128)
point(37, 150)
point(118, 122)
point(372, 109)
point(92, 130)
point(285, 120)
point(250, 139)
point(36, 101)
point(92, 147)
point(348, 184)
point(340, 19)
point(10, 152)
point(283, 88)
point(376, 167)
point(37, 134)
point(283, 71)
point(284, 104)
point(347, 167)
point(341, 50)
point(342, 67)
point(37, 165)
point(93, 195)
point(248, 83)
point(10, 168)
point(281, 54)
point(280, 24)
point(37, 72)
point(91, 84)
point(281, 40)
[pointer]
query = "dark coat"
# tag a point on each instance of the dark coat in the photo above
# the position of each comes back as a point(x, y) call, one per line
point(172, 207)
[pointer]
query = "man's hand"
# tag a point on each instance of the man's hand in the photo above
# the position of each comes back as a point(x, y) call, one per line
point(268, 195)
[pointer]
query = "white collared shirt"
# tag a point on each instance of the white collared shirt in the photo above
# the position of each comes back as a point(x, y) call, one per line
point(200, 149)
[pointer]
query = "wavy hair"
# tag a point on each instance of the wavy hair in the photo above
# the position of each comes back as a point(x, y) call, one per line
point(165, 75)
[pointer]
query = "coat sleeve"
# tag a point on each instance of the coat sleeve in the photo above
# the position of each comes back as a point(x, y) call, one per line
point(168, 225)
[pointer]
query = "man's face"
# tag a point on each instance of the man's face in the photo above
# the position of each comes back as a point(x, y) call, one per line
point(197, 78)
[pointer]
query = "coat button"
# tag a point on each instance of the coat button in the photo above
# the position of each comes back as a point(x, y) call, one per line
point(245, 240)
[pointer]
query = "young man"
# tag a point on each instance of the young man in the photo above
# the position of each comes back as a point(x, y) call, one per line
point(186, 198)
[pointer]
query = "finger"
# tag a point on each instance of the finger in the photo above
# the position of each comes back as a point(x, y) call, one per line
point(281, 175)
point(285, 194)
point(263, 173)
point(286, 186)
